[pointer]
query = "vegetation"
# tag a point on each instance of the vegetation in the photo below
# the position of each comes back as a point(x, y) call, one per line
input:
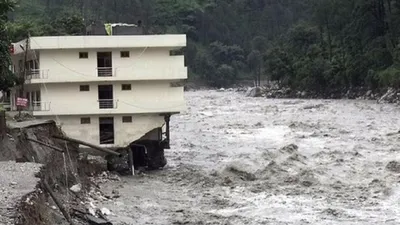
point(7, 78)
point(306, 44)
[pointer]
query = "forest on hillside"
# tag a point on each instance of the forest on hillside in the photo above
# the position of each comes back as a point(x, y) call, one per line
point(314, 45)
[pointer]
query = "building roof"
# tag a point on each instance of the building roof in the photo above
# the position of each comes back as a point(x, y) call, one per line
point(92, 42)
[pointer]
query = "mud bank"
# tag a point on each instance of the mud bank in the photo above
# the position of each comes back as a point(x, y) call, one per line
point(274, 90)
point(238, 160)
point(386, 95)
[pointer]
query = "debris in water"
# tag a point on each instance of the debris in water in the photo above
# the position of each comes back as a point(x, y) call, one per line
point(332, 212)
point(253, 92)
point(290, 148)
point(105, 211)
point(246, 176)
point(115, 194)
point(393, 133)
point(76, 188)
point(393, 166)
point(313, 106)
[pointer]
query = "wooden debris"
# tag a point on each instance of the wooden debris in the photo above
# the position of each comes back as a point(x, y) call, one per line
point(58, 203)
point(97, 221)
point(88, 144)
point(79, 212)
point(47, 145)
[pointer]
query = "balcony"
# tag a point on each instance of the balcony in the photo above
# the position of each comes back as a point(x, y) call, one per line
point(37, 106)
point(104, 71)
point(6, 105)
point(108, 104)
point(37, 74)
point(152, 73)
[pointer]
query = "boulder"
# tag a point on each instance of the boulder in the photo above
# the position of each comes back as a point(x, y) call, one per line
point(390, 96)
point(254, 92)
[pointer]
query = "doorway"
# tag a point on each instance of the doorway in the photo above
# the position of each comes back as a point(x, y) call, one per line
point(106, 130)
point(106, 98)
point(104, 64)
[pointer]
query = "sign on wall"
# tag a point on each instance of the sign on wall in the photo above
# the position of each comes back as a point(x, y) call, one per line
point(22, 102)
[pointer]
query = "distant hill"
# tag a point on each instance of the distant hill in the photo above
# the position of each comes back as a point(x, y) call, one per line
point(305, 44)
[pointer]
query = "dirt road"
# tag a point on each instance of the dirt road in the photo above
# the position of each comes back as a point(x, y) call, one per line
point(16, 180)
point(238, 160)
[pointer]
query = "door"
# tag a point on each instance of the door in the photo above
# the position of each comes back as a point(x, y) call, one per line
point(106, 127)
point(104, 64)
point(106, 98)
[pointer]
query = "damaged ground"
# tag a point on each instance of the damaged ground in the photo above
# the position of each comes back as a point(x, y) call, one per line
point(42, 185)
point(238, 160)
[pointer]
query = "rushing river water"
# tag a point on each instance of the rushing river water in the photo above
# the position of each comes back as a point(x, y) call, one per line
point(238, 160)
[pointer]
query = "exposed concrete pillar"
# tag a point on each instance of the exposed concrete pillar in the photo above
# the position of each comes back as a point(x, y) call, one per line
point(167, 118)
point(34, 97)
point(2, 124)
point(30, 99)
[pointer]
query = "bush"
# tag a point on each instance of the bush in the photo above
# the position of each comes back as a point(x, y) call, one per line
point(390, 77)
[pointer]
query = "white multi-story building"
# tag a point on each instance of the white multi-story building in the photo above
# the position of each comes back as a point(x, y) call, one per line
point(105, 90)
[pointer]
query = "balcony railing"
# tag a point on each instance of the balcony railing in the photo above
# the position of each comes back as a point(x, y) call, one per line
point(104, 71)
point(39, 106)
point(37, 74)
point(100, 73)
point(108, 103)
point(6, 105)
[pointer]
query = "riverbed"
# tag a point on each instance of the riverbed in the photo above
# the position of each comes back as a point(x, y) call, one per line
point(239, 160)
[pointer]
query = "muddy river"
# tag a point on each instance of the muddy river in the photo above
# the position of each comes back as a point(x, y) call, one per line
point(238, 160)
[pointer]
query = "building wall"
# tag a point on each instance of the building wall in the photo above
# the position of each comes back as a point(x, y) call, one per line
point(142, 64)
point(150, 70)
point(114, 41)
point(144, 97)
point(125, 133)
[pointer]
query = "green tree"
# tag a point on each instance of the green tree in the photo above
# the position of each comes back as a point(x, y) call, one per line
point(7, 78)
point(308, 44)
point(255, 62)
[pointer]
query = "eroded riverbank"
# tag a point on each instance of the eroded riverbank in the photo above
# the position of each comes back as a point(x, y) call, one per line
point(238, 160)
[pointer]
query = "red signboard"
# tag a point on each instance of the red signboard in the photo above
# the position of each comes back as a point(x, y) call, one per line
point(22, 102)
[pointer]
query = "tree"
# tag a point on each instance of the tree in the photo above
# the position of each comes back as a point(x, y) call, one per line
point(255, 62)
point(301, 43)
point(7, 78)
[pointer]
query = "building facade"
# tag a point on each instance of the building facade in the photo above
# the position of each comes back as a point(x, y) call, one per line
point(105, 90)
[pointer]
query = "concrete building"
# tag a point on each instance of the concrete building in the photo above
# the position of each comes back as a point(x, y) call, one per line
point(105, 90)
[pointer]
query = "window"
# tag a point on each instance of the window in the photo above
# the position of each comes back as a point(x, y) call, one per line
point(127, 119)
point(85, 120)
point(84, 88)
point(125, 54)
point(83, 55)
point(126, 87)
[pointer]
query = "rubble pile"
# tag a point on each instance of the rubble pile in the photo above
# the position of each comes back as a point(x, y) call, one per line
point(391, 96)
point(275, 90)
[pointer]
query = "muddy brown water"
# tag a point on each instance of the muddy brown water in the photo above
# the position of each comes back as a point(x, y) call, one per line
point(238, 160)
